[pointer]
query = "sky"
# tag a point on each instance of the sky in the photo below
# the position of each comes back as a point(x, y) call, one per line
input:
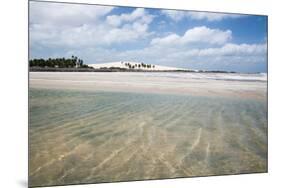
point(186, 39)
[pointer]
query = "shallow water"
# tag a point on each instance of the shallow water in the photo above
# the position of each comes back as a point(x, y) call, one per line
point(89, 137)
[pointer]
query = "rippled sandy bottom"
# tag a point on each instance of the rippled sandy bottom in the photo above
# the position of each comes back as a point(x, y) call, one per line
point(89, 137)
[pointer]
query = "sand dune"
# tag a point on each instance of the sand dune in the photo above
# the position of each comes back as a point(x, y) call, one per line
point(122, 64)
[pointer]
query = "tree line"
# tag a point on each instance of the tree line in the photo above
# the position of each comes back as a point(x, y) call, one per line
point(58, 62)
point(141, 65)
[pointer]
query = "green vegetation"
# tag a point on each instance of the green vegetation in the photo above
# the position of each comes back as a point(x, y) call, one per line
point(142, 65)
point(73, 62)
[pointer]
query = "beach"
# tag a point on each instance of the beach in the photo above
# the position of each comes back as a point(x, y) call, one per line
point(123, 126)
point(199, 84)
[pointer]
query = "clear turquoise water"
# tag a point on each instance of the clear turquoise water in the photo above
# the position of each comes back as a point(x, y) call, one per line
point(90, 137)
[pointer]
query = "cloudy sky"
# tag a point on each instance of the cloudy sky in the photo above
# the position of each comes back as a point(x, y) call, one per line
point(188, 39)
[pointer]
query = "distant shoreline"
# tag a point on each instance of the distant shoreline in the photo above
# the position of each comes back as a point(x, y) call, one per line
point(53, 69)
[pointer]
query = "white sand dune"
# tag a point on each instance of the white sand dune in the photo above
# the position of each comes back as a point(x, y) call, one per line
point(122, 64)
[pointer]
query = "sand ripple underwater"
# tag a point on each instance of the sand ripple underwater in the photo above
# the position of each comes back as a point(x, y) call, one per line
point(91, 137)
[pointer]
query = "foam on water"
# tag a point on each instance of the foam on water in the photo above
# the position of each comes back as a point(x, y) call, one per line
point(89, 137)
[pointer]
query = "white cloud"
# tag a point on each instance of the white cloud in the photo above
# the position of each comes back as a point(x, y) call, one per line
point(72, 26)
point(167, 40)
point(196, 35)
point(177, 15)
point(211, 16)
point(234, 50)
point(235, 54)
point(207, 35)
point(139, 15)
point(61, 14)
point(228, 50)
point(91, 33)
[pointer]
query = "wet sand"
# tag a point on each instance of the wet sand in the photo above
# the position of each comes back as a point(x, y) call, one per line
point(199, 84)
point(91, 128)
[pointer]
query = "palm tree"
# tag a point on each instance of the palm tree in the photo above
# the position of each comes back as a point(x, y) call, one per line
point(76, 61)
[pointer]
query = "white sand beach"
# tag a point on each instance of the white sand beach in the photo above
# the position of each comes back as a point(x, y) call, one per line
point(201, 84)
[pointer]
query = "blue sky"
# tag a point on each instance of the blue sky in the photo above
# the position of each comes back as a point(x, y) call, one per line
point(187, 39)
